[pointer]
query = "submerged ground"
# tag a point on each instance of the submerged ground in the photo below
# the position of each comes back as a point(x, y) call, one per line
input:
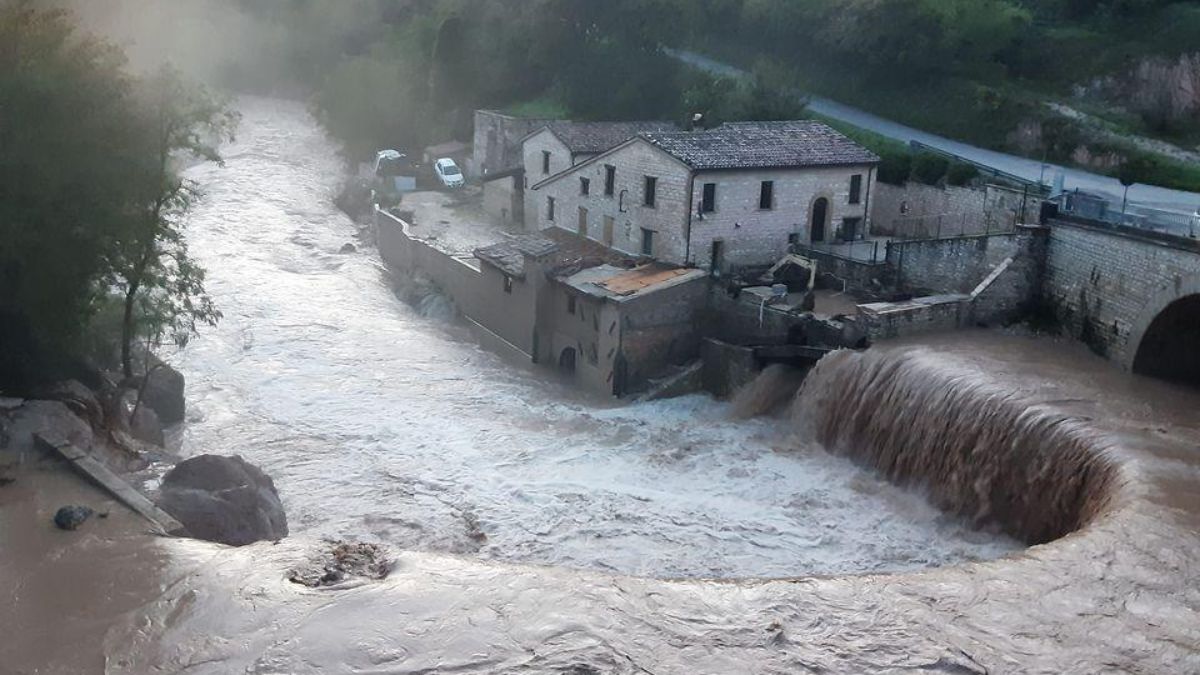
point(382, 422)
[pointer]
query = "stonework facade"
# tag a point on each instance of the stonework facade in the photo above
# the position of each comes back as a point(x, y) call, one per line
point(497, 141)
point(919, 211)
point(677, 228)
point(1105, 285)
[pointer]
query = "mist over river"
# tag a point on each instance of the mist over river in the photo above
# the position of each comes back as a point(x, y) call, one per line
point(382, 423)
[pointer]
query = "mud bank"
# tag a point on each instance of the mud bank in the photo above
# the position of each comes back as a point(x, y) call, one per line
point(1115, 595)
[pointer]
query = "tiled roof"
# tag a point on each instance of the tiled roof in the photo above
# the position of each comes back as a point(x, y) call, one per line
point(589, 137)
point(509, 255)
point(754, 145)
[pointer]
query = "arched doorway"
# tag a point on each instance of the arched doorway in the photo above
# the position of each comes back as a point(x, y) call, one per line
point(566, 360)
point(820, 214)
point(1170, 347)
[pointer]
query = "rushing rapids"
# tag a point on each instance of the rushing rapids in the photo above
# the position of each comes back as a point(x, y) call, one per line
point(1098, 469)
point(382, 420)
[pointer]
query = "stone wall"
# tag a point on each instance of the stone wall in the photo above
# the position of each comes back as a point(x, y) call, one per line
point(951, 265)
point(659, 330)
point(531, 152)
point(848, 274)
point(477, 291)
point(497, 141)
point(1106, 284)
point(755, 237)
point(667, 219)
point(919, 211)
point(750, 236)
point(504, 200)
point(930, 314)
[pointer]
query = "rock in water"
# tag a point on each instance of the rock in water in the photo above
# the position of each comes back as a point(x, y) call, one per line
point(348, 248)
point(71, 517)
point(224, 499)
point(164, 392)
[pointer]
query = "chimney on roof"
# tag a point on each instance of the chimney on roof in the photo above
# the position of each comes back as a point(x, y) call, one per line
point(696, 123)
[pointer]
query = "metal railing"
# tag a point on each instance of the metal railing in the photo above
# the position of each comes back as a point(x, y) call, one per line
point(867, 251)
point(1092, 207)
point(947, 225)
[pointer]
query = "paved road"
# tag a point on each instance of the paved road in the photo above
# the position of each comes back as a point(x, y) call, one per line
point(1029, 169)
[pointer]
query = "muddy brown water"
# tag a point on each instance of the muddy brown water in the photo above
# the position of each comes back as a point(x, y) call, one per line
point(1028, 436)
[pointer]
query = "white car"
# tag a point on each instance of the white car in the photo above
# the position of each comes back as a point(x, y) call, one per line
point(448, 172)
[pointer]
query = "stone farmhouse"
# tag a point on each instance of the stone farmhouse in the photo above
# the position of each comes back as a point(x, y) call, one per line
point(723, 199)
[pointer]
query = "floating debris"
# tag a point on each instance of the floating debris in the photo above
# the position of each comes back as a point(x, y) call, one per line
point(344, 560)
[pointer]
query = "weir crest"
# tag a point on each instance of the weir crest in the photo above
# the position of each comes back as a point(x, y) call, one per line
point(978, 449)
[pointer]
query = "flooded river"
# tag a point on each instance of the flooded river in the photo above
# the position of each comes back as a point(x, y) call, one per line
point(381, 423)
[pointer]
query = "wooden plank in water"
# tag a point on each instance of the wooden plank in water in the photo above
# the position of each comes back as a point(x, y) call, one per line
point(110, 481)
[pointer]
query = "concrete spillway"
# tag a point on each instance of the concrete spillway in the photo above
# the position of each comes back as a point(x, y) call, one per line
point(973, 444)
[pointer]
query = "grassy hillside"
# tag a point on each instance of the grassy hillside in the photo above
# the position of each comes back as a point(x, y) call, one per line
point(983, 71)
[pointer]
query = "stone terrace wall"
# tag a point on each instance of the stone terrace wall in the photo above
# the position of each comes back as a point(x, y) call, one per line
point(919, 211)
point(954, 265)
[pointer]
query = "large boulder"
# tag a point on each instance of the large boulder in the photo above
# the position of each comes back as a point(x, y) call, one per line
point(164, 392)
point(224, 499)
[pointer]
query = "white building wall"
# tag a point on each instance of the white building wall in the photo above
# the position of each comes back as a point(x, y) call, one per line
point(753, 236)
point(633, 162)
point(560, 160)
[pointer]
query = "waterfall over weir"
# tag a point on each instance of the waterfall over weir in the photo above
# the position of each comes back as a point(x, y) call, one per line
point(976, 448)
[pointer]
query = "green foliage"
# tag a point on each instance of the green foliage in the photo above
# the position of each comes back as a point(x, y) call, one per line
point(930, 168)
point(89, 202)
point(961, 173)
point(65, 175)
point(895, 167)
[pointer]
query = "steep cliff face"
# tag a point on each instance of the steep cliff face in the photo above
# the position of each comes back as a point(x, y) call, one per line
point(1164, 92)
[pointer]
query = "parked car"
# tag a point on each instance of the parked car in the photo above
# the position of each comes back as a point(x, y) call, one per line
point(448, 172)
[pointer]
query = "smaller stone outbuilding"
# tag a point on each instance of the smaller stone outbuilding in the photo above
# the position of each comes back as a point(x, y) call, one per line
point(504, 197)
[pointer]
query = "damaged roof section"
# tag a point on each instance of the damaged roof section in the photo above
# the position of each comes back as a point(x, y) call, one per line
point(566, 253)
point(620, 284)
point(509, 255)
point(597, 137)
point(759, 145)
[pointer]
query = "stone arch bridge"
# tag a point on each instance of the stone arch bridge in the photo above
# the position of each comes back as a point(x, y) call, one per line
point(1131, 295)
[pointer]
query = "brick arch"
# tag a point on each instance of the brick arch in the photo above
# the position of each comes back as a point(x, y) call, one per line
point(1181, 288)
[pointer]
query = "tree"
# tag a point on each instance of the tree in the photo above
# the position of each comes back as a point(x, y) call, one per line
point(67, 155)
point(161, 287)
point(1136, 169)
